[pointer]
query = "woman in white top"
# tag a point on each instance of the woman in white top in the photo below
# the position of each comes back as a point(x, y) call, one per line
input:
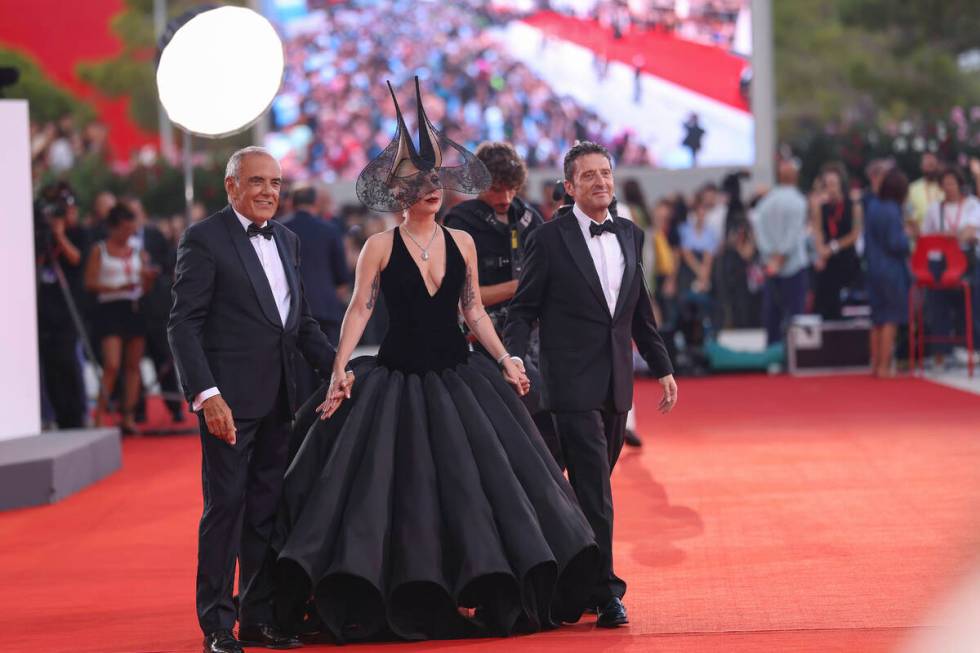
point(957, 214)
point(117, 273)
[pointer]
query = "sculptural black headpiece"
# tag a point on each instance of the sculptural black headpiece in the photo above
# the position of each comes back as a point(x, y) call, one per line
point(402, 174)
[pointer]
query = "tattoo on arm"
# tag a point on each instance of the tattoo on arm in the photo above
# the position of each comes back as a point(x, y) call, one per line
point(478, 320)
point(375, 285)
point(468, 293)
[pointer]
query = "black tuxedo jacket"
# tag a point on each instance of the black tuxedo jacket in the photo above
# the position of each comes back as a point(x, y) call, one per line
point(586, 353)
point(324, 264)
point(225, 329)
point(156, 302)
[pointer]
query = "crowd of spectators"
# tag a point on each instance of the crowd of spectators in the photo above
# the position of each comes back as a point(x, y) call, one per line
point(57, 146)
point(104, 275)
point(707, 21)
point(718, 261)
point(332, 115)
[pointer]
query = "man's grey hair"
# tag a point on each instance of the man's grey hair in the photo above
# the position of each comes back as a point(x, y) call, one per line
point(234, 167)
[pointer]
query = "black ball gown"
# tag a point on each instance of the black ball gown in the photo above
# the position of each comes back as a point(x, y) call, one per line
point(428, 506)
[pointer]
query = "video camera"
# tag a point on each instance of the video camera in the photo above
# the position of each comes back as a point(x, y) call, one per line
point(54, 203)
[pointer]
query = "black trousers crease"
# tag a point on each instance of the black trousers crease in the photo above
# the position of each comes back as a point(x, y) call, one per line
point(242, 484)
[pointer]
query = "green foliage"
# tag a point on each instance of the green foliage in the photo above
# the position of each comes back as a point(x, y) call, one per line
point(132, 72)
point(48, 102)
point(161, 188)
point(948, 25)
point(871, 62)
point(89, 176)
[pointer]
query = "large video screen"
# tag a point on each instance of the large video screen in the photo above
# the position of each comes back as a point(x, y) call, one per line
point(661, 83)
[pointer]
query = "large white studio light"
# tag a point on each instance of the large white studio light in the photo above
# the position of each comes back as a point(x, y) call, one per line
point(219, 71)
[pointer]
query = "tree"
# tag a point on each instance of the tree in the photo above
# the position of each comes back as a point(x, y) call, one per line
point(947, 25)
point(48, 102)
point(868, 61)
point(132, 72)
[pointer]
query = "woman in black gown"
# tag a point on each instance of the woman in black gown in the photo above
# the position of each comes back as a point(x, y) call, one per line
point(422, 503)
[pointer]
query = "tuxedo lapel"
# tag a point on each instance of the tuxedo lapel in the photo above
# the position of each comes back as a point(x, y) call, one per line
point(289, 265)
point(624, 234)
point(250, 260)
point(572, 235)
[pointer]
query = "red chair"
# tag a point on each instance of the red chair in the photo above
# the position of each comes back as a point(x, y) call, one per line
point(926, 248)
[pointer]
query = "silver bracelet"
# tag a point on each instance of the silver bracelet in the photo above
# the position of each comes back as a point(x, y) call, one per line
point(503, 357)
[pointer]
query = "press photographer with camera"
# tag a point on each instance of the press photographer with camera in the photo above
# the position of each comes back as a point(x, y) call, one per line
point(58, 245)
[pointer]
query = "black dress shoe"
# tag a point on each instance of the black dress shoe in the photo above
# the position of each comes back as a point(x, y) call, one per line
point(614, 614)
point(268, 636)
point(222, 641)
point(632, 439)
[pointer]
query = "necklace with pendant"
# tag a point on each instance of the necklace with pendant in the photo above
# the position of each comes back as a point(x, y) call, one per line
point(425, 250)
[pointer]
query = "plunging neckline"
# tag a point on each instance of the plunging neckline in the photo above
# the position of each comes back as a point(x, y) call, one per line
point(445, 263)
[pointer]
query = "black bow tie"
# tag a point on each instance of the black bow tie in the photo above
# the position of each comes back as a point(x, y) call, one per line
point(599, 229)
point(255, 230)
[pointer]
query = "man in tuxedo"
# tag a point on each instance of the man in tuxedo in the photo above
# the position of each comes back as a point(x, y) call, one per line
point(583, 281)
point(238, 317)
point(324, 273)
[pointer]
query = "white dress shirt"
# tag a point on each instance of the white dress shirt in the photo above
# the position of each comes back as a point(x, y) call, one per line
point(607, 256)
point(275, 273)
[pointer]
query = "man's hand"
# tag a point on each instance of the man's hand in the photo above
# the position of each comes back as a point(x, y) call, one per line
point(217, 415)
point(515, 376)
point(670, 394)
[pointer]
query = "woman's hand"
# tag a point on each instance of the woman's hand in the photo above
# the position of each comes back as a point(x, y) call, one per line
point(340, 387)
point(514, 375)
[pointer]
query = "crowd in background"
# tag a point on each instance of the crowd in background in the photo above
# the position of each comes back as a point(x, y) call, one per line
point(332, 117)
point(720, 258)
point(57, 146)
point(708, 21)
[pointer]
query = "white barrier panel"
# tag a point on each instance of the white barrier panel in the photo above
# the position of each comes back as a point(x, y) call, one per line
point(20, 387)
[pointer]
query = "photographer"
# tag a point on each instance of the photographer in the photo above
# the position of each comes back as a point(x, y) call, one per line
point(500, 223)
point(58, 245)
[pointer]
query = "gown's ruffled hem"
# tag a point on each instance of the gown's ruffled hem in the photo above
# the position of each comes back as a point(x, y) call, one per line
point(425, 495)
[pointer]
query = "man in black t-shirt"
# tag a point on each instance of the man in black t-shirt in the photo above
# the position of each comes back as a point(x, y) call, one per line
point(500, 223)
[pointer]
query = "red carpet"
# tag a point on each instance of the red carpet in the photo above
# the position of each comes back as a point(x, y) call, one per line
point(703, 69)
point(765, 514)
